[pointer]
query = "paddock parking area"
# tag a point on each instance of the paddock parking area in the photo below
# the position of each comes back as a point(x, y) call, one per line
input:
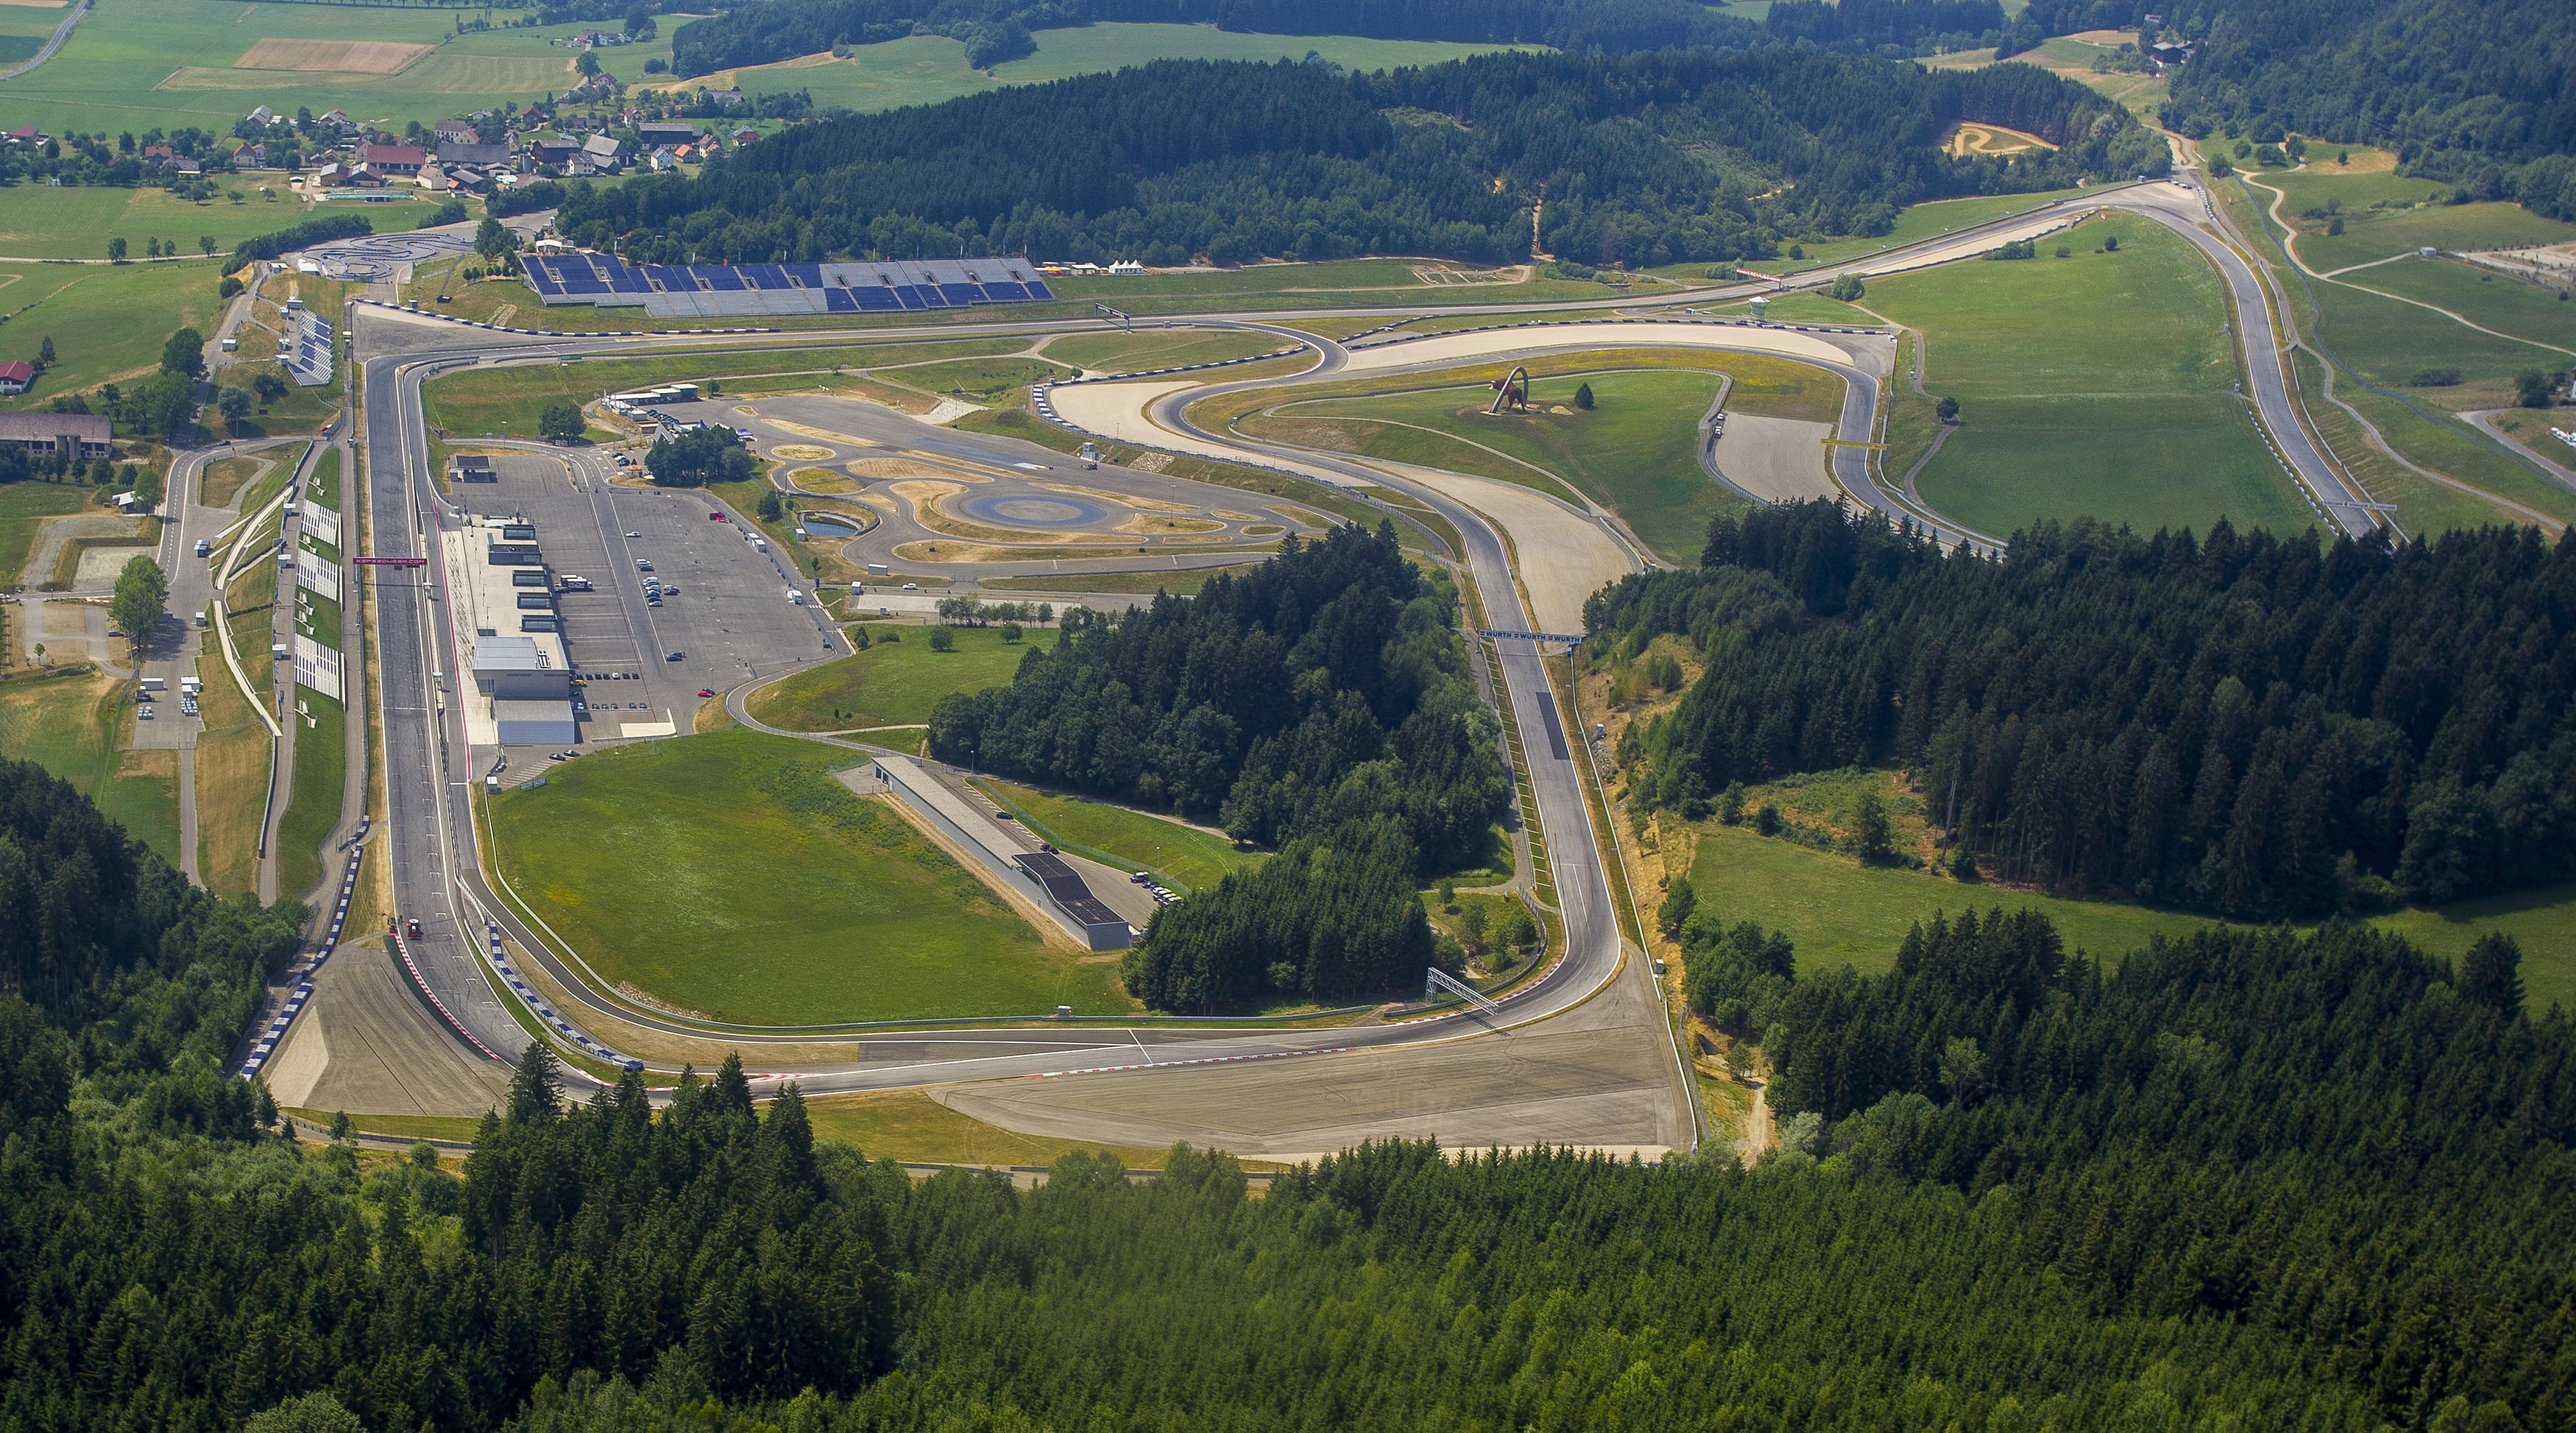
point(724, 606)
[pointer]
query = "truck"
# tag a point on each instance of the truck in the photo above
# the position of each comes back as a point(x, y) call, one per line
point(191, 686)
point(574, 582)
point(760, 544)
point(153, 684)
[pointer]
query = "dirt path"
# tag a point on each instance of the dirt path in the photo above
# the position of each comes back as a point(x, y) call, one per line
point(2290, 246)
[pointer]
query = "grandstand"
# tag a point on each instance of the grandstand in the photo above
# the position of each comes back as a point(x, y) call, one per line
point(779, 290)
point(305, 347)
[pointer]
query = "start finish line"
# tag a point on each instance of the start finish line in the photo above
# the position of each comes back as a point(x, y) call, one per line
point(390, 561)
point(1576, 639)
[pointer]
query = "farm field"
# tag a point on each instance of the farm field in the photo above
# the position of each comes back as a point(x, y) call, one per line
point(141, 64)
point(40, 222)
point(1186, 859)
point(891, 683)
point(2058, 362)
point(108, 322)
point(1635, 452)
point(787, 900)
point(73, 727)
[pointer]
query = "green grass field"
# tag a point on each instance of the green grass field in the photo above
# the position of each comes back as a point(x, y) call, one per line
point(1635, 452)
point(1106, 46)
point(2487, 298)
point(108, 322)
point(1840, 912)
point(1186, 859)
point(73, 727)
point(2061, 364)
point(776, 897)
point(2370, 234)
point(1155, 348)
point(48, 223)
point(2390, 341)
point(891, 683)
point(23, 510)
point(984, 380)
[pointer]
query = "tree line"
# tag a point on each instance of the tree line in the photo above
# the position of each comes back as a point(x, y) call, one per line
point(2257, 727)
point(1644, 159)
point(2246, 1179)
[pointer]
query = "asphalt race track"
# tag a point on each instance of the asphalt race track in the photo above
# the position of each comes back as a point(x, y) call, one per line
point(1580, 1055)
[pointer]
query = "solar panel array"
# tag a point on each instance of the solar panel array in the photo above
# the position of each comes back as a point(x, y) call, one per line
point(773, 290)
point(305, 348)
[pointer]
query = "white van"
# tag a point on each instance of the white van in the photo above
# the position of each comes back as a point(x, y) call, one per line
point(795, 596)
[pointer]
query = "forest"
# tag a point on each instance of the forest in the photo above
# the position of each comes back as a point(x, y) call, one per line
point(2264, 728)
point(2245, 1180)
point(1320, 703)
point(2482, 95)
point(994, 31)
point(1644, 159)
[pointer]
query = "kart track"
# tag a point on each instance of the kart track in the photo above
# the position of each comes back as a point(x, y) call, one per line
point(1582, 1054)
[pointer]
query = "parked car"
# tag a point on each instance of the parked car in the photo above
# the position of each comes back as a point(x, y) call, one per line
point(670, 656)
point(706, 691)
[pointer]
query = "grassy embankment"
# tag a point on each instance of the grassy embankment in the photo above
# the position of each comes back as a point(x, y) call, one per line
point(779, 897)
point(1098, 353)
point(2057, 362)
point(1183, 857)
point(1839, 911)
point(321, 749)
point(233, 751)
point(893, 683)
point(505, 402)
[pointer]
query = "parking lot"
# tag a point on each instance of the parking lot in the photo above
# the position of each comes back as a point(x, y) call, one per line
point(723, 605)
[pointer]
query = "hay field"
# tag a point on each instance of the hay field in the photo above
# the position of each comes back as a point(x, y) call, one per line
point(350, 57)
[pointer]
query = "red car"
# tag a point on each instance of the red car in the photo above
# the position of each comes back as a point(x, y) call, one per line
point(715, 517)
point(705, 692)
